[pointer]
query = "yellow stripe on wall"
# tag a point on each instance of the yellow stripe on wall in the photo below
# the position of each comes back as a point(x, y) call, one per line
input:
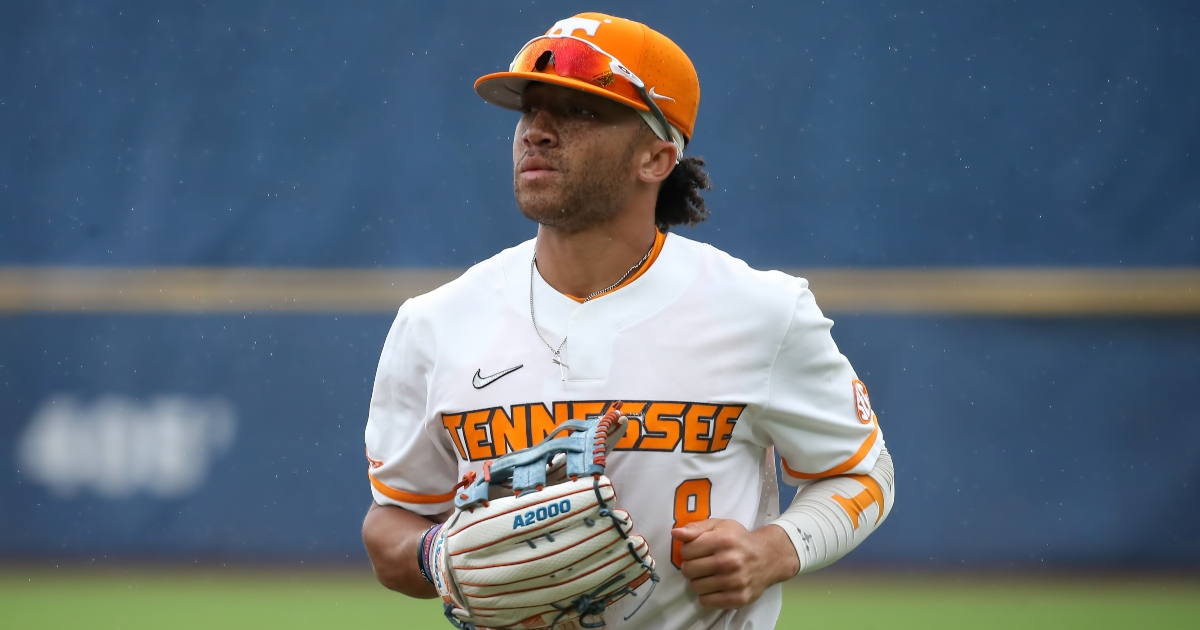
point(958, 291)
point(212, 290)
point(1014, 291)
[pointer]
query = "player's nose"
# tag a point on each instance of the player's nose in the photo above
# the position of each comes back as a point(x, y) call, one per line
point(539, 130)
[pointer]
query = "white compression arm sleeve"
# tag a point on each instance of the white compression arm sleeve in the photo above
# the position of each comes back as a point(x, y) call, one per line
point(829, 517)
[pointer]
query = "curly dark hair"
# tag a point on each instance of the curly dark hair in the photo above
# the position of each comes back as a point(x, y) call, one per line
point(679, 200)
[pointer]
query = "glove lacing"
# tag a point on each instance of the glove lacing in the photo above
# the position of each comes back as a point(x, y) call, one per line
point(593, 604)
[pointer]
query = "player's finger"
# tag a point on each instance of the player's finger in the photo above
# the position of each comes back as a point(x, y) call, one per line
point(708, 543)
point(700, 567)
point(692, 531)
point(727, 599)
point(715, 584)
point(704, 546)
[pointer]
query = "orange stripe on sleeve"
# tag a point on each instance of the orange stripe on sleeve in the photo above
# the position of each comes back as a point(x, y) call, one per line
point(842, 467)
point(409, 497)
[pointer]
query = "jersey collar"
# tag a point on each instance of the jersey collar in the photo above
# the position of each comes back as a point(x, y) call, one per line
point(592, 326)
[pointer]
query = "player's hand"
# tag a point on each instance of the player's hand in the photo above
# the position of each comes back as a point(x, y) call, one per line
point(729, 566)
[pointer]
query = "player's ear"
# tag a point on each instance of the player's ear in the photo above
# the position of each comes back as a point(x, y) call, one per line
point(656, 160)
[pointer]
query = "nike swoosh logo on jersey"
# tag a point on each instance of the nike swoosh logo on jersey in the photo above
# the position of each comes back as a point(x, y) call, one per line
point(479, 382)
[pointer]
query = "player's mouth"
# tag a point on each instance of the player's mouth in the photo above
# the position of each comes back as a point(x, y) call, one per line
point(533, 167)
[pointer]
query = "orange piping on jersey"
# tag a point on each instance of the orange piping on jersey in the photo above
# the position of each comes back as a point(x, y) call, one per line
point(842, 467)
point(857, 504)
point(655, 250)
point(375, 463)
point(409, 497)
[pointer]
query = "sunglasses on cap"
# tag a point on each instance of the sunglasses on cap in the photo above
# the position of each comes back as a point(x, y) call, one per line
point(575, 58)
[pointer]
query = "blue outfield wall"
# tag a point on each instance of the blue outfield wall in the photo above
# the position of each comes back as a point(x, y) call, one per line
point(890, 133)
point(1029, 443)
point(880, 133)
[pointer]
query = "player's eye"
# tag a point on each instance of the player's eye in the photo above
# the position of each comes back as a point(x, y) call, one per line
point(581, 112)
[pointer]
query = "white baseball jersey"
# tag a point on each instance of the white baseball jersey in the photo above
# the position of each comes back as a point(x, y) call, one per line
point(717, 363)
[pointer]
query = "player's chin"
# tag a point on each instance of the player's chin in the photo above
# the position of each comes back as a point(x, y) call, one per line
point(538, 190)
point(541, 206)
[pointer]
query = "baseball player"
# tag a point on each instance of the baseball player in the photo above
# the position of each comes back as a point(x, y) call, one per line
point(718, 366)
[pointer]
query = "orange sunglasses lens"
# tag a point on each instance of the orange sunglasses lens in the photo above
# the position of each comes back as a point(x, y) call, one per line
point(575, 59)
point(571, 58)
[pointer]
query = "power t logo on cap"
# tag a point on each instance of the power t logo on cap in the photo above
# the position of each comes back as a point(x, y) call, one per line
point(619, 59)
point(568, 26)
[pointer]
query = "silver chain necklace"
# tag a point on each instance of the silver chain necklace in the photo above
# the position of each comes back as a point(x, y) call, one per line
point(557, 352)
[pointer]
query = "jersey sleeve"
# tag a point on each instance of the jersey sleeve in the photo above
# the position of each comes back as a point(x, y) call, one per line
point(410, 463)
point(818, 414)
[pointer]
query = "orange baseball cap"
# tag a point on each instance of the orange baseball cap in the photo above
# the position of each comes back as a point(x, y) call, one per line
point(668, 75)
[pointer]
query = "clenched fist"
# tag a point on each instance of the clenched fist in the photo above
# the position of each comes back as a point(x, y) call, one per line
point(729, 566)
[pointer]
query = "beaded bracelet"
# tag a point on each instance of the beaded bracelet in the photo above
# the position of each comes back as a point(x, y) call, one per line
point(423, 551)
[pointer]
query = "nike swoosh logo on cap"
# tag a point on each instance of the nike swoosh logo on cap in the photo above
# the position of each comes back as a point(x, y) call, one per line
point(661, 97)
point(479, 382)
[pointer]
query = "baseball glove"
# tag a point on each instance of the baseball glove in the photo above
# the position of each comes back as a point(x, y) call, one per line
point(543, 554)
